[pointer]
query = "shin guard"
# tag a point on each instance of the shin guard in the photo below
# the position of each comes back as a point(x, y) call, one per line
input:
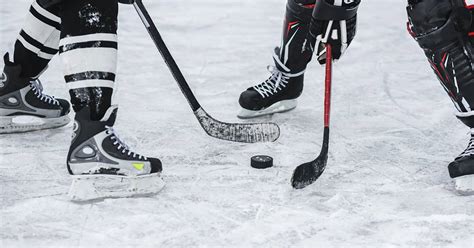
point(441, 29)
point(294, 53)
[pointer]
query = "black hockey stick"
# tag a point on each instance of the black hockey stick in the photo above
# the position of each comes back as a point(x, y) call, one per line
point(237, 132)
point(308, 173)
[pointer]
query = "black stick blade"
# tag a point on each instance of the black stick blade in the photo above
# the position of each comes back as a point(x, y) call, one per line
point(308, 173)
point(238, 132)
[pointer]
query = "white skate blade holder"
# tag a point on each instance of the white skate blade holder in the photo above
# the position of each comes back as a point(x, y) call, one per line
point(278, 107)
point(96, 187)
point(25, 123)
point(465, 185)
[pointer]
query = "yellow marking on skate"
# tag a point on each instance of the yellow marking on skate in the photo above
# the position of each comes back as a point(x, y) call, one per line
point(138, 166)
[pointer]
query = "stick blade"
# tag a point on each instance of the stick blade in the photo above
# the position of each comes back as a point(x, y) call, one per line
point(307, 173)
point(238, 132)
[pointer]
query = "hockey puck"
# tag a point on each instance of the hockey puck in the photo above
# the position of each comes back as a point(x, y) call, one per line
point(261, 162)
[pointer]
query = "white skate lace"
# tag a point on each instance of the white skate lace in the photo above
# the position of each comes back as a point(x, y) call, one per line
point(38, 90)
point(276, 82)
point(470, 148)
point(121, 146)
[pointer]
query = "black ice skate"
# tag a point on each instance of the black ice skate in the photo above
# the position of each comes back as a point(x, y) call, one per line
point(103, 166)
point(23, 105)
point(462, 169)
point(279, 92)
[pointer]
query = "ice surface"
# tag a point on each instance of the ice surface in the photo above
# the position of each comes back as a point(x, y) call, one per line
point(386, 184)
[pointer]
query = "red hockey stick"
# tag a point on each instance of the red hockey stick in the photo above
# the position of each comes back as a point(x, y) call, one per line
point(308, 173)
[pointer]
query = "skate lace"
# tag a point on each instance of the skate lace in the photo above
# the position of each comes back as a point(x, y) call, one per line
point(470, 147)
point(121, 146)
point(38, 91)
point(276, 82)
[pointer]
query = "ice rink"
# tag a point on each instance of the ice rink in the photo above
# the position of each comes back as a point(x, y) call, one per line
point(386, 185)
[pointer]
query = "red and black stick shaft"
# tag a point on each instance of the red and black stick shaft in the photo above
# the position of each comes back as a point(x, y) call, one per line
point(327, 98)
point(327, 85)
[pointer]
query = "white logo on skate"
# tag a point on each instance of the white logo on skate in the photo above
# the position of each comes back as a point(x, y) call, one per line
point(12, 100)
point(3, 79)
point(88, 150)
point(75, 130)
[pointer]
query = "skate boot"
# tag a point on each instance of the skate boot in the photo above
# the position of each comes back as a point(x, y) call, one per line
point(103, 166)
point(279, 92)
point(23, 105)
point(462, 169)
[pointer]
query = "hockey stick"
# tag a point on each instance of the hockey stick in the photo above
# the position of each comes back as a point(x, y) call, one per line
point(308, 173)
point(237, 132)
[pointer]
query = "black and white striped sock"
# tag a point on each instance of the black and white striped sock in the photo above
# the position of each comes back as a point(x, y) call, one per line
point(89, 60)
point(88, 50)
point(38, 41)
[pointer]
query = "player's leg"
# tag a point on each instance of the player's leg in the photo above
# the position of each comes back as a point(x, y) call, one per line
point(88, 49)
point(21, 92)
point(279, 92)
point(441, 28)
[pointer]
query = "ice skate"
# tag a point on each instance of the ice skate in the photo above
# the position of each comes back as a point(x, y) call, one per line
point(279, 92)
point(103, 166)
point(23, 105)
point(462, 169)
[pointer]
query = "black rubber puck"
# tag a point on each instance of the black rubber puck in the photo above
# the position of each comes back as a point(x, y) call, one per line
point(261, 162)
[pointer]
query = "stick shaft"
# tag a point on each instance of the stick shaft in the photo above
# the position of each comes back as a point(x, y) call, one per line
point(328, 85)
point(165, 53)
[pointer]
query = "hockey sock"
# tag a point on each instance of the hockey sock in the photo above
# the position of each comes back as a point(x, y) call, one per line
point(88, 49)
point(38, 40)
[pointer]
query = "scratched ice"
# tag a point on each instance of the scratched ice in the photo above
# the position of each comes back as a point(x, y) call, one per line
point(386, 184)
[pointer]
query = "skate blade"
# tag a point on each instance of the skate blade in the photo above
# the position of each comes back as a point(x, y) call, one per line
point(97, 187)
point(278, 107)
point(21, 124)
point(464, 185)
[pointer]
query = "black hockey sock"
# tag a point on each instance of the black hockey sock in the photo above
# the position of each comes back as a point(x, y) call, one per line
point(88, 49)
point(38, 40)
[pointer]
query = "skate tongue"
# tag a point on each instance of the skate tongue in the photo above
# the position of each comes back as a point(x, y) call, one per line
point(280, 66)
point(11, 69)
point(110, 115)
point(108, 118)
point(6, 59)
point(278, 63)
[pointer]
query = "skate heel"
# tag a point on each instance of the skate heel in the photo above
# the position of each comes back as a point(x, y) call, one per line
point(465, 185)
